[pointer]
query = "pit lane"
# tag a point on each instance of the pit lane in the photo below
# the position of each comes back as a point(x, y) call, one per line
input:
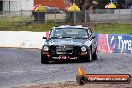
point(22, 67)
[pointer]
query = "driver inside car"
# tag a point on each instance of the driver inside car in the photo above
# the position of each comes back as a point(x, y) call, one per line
point(58, 33)
point(82, 34)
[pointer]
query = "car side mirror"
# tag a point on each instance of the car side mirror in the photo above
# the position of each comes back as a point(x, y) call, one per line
point(93, 36)
point(44, 38)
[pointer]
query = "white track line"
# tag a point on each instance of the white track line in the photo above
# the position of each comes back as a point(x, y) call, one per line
point(54, 69)
point(29, 71)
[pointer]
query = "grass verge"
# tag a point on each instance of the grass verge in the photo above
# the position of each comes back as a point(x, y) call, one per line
point(112, 28)
point(42, 27)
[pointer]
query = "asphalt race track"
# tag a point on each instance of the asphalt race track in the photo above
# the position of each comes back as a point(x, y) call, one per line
point(20, 67)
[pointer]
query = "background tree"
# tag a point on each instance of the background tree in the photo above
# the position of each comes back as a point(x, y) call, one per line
point(83, 4)
point(119, 3)
point(82, 15)
point(102, 3)
point(128, 3)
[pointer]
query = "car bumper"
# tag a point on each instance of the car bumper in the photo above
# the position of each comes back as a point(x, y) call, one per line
point(65, 57)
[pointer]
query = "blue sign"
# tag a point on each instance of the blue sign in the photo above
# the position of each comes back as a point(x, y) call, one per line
point(120, 43)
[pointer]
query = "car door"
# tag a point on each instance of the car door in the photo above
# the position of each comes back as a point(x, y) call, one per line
point(92, 40)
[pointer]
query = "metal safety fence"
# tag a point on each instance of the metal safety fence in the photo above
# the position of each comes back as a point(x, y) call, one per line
point(95, 15)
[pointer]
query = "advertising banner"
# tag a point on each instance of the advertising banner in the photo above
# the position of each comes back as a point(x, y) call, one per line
point(115, 43)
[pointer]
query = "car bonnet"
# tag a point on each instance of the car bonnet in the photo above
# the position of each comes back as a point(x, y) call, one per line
point(78, 42)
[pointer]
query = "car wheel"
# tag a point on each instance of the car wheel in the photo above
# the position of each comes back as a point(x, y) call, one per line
point(44, 60)
point(90, 55)
point(95, 55)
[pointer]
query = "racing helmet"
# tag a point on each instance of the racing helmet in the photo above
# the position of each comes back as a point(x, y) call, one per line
point(58, 33)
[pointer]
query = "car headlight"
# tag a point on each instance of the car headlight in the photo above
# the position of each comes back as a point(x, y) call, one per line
point(83, 48)
point(45, 48)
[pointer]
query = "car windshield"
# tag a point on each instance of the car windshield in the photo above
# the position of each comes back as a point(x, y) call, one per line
point(69, 33)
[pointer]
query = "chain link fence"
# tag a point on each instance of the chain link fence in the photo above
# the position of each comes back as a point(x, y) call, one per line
point(112, 16)
point(96, 15)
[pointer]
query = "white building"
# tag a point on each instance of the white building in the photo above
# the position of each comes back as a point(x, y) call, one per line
point(16, 5)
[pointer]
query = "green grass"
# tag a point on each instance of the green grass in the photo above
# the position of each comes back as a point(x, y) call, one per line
point(112, 28)
point(42, 27)
point(15, 18)
point(12, 26)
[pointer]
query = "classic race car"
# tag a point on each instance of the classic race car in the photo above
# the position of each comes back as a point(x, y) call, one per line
point(68, 42)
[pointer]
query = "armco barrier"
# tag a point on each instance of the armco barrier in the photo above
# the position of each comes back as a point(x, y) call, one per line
point(111, 43)
point(115, 43)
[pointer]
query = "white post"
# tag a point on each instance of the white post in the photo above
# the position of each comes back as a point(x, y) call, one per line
point(85, 15)
point(131, 12)
point(74, 17)
point(55, 16)
point(119, 17)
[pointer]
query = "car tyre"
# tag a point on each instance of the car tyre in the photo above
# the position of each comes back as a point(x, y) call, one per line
point(95, 55)
point(44, 60)
point(90, 55)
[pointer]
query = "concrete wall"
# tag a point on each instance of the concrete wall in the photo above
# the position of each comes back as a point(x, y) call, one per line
point(21, 39)
point(16, 5)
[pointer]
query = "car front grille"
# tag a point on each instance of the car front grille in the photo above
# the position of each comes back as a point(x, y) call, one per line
point(53, 49)
point(64, 49)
